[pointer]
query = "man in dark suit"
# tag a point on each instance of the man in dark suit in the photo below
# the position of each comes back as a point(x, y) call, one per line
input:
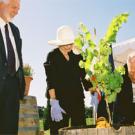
point(124, 108)
point(12, 84)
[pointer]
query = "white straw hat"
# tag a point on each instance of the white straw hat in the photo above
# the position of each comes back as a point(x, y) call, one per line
point(64, 36)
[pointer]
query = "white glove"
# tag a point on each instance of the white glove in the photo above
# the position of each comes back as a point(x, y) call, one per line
point(56, 110)
point(94, 100)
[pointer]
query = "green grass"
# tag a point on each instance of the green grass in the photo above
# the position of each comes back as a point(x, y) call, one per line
point(41, 125)
point(47, 132)
point(89, 121)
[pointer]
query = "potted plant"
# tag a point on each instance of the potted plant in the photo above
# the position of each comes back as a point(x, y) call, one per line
point(28, 73)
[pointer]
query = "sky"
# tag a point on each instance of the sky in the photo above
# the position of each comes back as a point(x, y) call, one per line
point(38, 21)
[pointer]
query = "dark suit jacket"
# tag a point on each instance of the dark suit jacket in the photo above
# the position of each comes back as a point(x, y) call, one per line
point(66, 77)
point(124, 109)
point(3, 61)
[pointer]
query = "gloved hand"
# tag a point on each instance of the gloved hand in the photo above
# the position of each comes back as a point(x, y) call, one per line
point(56, 110)
point(94, 100)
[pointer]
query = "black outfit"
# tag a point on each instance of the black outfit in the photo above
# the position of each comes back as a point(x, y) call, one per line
point(12, 87)
point(66, 77)
point(124, 108)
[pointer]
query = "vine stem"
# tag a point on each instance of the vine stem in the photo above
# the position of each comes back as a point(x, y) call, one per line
point(108, 111)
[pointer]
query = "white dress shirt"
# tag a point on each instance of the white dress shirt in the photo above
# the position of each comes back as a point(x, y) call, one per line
point(2, 27)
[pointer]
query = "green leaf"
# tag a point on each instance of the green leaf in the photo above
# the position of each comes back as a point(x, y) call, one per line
point(88, 36)
point(78, 42)
point(81, 64)
point(83, 28)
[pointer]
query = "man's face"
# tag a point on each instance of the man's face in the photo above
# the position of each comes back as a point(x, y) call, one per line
point(11, 9)
point(14, 6)
point(131, 69)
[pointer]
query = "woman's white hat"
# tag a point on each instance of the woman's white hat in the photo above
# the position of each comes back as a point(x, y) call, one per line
point(64, 36)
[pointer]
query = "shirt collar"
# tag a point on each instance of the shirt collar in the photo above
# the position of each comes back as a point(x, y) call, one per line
point(2, 23)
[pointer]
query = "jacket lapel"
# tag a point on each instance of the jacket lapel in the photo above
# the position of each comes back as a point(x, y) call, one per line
point(2, 46)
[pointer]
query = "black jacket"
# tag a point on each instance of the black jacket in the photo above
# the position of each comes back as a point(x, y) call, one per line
point(3, 60)
point(66, 77)
point(124, 109)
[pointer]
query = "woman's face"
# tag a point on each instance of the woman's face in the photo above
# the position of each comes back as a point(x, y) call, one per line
point(131, 69)
point(67, 48)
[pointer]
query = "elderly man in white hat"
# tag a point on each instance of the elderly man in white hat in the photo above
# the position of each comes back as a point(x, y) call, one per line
point(64, 83)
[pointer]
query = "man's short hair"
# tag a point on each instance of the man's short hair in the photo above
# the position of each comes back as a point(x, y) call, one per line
point(4, 1)
point(131, 56)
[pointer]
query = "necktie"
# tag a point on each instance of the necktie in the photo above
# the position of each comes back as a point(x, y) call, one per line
point(10, 51)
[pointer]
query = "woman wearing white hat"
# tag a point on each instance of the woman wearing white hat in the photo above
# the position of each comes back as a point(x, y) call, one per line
point(64, 83)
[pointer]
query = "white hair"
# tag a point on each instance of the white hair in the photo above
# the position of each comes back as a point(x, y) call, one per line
point(4, 1)
point(131, 56)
